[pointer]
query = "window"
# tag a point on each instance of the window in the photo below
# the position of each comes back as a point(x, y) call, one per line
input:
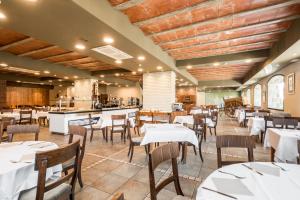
point(257, 95)
point(276, 92)
point(248, 97)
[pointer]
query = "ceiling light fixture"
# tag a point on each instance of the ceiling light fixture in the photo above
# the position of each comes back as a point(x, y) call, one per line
point(80, 46)
point(60, 85)
point(159, 68)
point(102, 76)
point(294, 54)
point(140, 69)
point(181, 79)
point(117, 74)
point(66, 77)
point(3, 64)
point(37, 73)
point(216, 64)
point(2, 15)
point(46, 72)
point(18, 81)
point(248, 61)
point(108, 40)
point(50, 81)
point(141, 58)
point(189, 67)
point(75, 76)
point(59, 80)
point(134, 72)
point(118, 61)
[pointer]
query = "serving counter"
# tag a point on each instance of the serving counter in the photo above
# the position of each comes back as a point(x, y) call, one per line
point(59, 120)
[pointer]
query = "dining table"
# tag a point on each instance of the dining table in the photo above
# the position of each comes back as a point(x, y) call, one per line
point(252, 181)
point(15, 115)
point(17, 160)
point(189, 120)
point(283, 144)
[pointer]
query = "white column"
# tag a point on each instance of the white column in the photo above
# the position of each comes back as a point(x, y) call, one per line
point(159, 91)
point(83, 93)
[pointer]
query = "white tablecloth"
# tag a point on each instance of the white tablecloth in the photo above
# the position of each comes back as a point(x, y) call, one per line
point(13, 114)
point(274, 184)
point(19, 176)
point(36, 115)
point(256, 125)
point(284, 141)
point(168, 133)
point(106, 121)
point(188, 119)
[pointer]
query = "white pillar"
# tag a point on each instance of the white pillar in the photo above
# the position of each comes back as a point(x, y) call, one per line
point(83, 93)
point(159, 91)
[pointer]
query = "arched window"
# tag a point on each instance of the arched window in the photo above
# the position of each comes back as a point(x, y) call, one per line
point(257, 95)
point(248, 96)
point(276, 92)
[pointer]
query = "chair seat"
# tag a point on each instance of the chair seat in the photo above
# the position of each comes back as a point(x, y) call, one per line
point(64, 190)
point(179, 197)
point(118, 128)
point(96, 126)
point(137, 139)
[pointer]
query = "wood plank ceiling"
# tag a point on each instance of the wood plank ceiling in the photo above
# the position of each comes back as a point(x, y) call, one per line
point(23, 45)
point(188, 29)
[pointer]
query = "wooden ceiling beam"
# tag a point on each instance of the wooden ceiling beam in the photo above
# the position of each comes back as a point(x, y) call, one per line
point(16, 43)
point(37, 51)
point(176, 12)
point(232, 17)
point(57, 56)
point(235, 29)
point(76, 60)
point(128, 4)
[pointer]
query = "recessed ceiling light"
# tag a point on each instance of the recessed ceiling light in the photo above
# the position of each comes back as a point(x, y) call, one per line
point(66, 77)
point(140, 69)
point(37, 73)
point(18, 81)
point(189, 67)
point(248, 61)
point(228, 32)
point(118, 61)
point(102, 76)
point(181, 79)
point(102, 81)
point(59, 80)
point(141, 58)
point(75, 76)
point(42, 83)
point(50, 81)
point(159, 67)
point(134, 73)
point(127, 85)
point(3, 64)
point(294, 54)
point(2, 15)
point(216, 64)
point(54, 75)
point(117, 74)
point(119, 85)
point(60, 85)
point(108, 40)
point(116, 83)
point(46, 72)
point(80, 46)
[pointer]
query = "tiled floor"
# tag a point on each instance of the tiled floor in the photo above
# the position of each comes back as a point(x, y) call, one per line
point(106, 167)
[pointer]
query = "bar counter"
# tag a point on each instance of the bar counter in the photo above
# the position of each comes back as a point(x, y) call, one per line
point(59, 120)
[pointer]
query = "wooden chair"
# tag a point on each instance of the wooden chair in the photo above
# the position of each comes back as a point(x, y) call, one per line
point(136, 141)
point(177, 113)
point(133, 116)
point(248, 114)
point(118, 196)
point(278, 122)
point(58, 189)
point(25, 117)
point(291, 122)
point(118, 127)
point(145, 114)
point(160, 117)
point(6, 110)
point(298, 159)
point(199, 127)
point(234, 141)
point(160, 154)
point(17, 129)
point(4, 122)
point(214, 119)
point(81, 132)
point(95, 127)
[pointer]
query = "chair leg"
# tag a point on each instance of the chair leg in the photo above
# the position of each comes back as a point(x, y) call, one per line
point(92, 134)
point(79, 177)
point(132, 149)
point(146, 149)
point(215, 131)
point(210, 131)
point(111, 137)
point(194, 149)
point(200, 148)
point(129, 150)
point(177, 186)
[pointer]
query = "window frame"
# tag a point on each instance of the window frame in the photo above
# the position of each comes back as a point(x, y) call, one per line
point(268, 92)
point(261, 93)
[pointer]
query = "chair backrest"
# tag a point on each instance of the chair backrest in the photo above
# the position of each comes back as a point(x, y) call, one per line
point(199, 122)
point(75, 130)
point(44, 160)
point(4, 122)
point(139, 114)
point(118, 196)
point(115, 118)
point(291, 122)
point(160, 117)
point(16, 129)
point(7, 110)
point(278, 122)
point(160, 154)
point(131, 114)
point(214, 116)
point(234, 141)
point(25, 115)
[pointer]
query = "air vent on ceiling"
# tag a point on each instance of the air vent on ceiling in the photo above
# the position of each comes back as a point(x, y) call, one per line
point(112, 52)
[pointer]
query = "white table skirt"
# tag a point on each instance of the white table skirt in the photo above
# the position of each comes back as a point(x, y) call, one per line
point(189, 119)
point(274, 184)
point(284, 141)
point(13, 114)
point(256, 125)
point(167, 133)
point(36, 115)
point(19, 176)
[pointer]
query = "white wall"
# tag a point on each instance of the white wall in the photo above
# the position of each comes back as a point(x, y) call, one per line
point(159, 91)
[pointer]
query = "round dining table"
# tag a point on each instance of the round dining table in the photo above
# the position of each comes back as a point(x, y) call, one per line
point(17, 167)
point(255, 181)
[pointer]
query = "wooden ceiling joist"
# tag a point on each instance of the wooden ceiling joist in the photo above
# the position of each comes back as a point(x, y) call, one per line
point(16, 43)
point(128, 4)
point(37, 51)
point(57, 56)
point(220, 19)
